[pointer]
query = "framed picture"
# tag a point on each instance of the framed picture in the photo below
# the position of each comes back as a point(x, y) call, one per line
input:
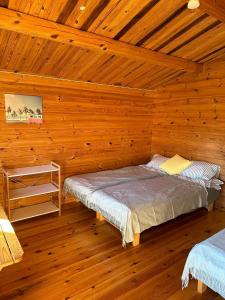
point(23, 109)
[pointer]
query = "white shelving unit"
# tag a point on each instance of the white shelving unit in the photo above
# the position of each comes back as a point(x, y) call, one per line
point(32, 190)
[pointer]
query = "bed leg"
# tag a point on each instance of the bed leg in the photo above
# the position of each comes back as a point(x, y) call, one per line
point(211, 207)
point(201, 287)
point(136, 240)
point(99, 216)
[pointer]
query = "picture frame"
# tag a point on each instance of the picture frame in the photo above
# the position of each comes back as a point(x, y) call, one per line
point(23, 109)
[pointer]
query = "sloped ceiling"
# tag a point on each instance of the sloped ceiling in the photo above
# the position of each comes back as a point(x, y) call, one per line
point(164, 26)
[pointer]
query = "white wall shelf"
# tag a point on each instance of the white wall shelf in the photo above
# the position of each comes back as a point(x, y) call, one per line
point(32, 190)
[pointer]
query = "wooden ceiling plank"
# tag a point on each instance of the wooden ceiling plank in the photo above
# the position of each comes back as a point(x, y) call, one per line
point(95, 13)
point(55, 8)
point(25, 24)
point(38, 48)
point(66, 11)
point(152, 77)
point(215, 8)
point(75, 64)
point(55, 58)
point(46, 9)
point(144, 69)
point(129, 67)
point(151, 20)
point(20, 57)
point(162, 80)
point(13, 4)
point(148, 73)
point(8, 53)
point(170, 79)
point(78, 17)
point(94, 68)
point(217, 53)
point(111, 22)
point(62, 62)
point(115, 65)
point(89, 63)
point(204, 43)
point(187, 35)
point(171, 29)
point(18, 5)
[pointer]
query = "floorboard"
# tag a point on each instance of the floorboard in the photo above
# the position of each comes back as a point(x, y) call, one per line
point(77, 257)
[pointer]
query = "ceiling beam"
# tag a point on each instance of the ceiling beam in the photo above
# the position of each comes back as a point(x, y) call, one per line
point(33, 26)
point(214, 8)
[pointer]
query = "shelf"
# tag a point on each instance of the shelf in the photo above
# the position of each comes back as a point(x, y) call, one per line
point(31, 170)
point(33, 211)
point(31, 191)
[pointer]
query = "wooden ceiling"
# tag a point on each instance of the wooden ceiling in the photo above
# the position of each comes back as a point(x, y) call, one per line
point(147, 42)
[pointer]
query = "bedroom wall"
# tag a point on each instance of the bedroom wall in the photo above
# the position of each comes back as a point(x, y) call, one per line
point(189, 118)
point(86, 128)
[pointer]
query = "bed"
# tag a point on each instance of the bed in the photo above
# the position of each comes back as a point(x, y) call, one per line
point(136, 198)
point(83, 186)
point(206, 263)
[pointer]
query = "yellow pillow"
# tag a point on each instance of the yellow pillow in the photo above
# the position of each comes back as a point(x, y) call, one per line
point(175, 165)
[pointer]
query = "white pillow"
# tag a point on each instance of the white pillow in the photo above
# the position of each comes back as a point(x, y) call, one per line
point(201, 170)
point(156, 161)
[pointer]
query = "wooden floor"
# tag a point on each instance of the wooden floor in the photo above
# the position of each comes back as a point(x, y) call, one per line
point(76, 257)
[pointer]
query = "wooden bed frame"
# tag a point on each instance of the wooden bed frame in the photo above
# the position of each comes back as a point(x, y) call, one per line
point(201, 287)
point(137, 236)
point(136, 240)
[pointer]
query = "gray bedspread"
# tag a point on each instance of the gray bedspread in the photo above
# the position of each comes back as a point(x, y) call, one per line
point(136, 198)
point(83, 186)
point(132, 208)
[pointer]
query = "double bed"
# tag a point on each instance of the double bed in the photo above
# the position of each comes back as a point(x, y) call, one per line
point(136, 198)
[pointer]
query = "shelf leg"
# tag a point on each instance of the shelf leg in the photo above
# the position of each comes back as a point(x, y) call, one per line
point(7, 196)
point(60, 193)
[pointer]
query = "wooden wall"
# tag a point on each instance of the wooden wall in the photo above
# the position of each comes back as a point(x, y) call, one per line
point(189, 118)
point(84, 130)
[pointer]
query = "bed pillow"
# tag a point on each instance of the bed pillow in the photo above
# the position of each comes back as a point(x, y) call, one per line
point(202, 170)
point(175, 165)
point(156, 161)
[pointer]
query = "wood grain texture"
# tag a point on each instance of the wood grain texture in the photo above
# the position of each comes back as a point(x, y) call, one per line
point(83, 130)
point(10, 248)
point(33, 26)
point(167, 28)
point(215, 8)
point(189, 118)
point(77, 257)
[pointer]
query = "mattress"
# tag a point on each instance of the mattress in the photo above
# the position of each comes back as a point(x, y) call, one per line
point(83, 186)
point(135, 207)
point(206, 263)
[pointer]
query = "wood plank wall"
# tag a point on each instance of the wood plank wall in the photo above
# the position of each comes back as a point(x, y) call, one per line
point(189, 118)
point(83, 131)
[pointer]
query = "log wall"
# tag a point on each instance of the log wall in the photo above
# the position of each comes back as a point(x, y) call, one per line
point(189, 118)
point(84, 130)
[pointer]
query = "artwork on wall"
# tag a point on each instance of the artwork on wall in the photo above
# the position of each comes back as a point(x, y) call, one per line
point(23, 109)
